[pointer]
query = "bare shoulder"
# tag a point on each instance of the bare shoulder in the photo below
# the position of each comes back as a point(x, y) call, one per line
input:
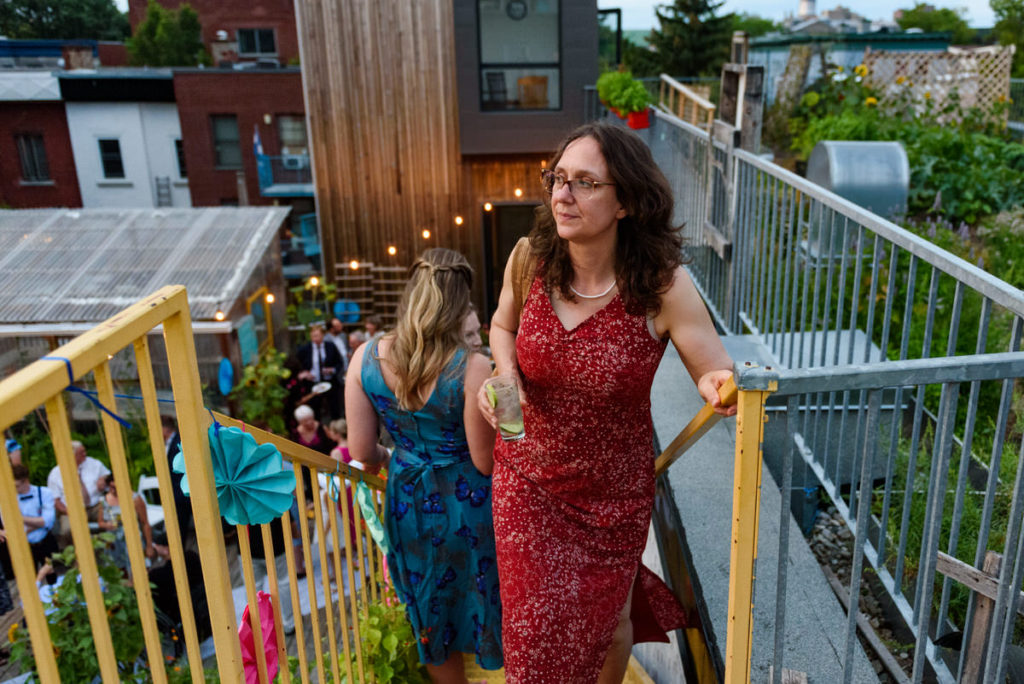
point(678, 302)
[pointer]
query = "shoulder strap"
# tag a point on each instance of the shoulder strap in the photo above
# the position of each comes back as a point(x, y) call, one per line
point(524, 268)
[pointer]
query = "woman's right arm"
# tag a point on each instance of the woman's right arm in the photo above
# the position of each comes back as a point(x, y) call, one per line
point(479, 434)
point(504, 325)
point(362, 419)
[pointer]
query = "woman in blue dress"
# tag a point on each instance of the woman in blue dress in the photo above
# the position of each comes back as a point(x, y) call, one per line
point(419, 381)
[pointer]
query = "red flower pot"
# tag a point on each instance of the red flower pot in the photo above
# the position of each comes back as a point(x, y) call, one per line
point(638, 120)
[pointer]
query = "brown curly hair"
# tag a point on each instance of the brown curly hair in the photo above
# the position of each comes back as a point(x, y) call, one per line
point(649, 247)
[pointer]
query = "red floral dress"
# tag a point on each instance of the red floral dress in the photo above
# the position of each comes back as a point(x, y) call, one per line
point(573, 498)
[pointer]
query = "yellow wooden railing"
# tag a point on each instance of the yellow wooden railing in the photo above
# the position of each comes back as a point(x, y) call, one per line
point(746, 504)
point(680, 100)
point(87, 356)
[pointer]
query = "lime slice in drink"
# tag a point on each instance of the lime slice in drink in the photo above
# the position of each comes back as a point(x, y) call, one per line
point(492, 396)
point(511, 428)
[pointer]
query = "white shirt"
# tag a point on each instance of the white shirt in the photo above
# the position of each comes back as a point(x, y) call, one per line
point(90, 471)
point(340, 342)
point(318, 353)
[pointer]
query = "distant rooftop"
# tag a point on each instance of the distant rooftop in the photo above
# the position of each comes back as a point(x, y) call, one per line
point(85, 265)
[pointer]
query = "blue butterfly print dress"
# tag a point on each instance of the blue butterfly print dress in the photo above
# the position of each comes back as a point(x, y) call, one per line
point(439, 521)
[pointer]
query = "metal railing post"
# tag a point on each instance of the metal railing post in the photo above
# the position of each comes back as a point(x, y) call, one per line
point(746, 504)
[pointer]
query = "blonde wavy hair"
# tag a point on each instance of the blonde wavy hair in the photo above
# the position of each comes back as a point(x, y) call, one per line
point(431, 312)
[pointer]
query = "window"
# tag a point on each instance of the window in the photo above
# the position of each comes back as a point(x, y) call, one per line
point(110, 157)
point(32, 154)
point(227, 152)
point(256, 42)
point(520, 65)
point(179, 153)
point(291, 129)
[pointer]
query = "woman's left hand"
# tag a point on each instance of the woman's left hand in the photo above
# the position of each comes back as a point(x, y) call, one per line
point(708, 386)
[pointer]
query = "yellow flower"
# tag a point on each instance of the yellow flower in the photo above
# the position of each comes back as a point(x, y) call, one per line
point(860, 70)
point(870, 101)
point(927, 94)
point(900, 80)
point(1001, 99)
point(839, 69)
point(11, 632)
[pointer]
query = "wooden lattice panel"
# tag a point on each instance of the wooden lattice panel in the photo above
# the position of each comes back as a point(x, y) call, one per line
point(980, 76)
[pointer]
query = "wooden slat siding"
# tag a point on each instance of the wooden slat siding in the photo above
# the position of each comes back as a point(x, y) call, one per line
point(381, 104)
point(494, 179)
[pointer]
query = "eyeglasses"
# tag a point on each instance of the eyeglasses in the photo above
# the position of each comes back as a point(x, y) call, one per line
point(581, 188)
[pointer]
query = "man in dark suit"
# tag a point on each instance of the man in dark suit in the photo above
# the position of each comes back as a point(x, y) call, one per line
point(182, 504)
point(321, 362)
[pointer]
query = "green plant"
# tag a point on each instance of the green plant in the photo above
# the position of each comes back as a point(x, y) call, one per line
point(260, 393)
point(301, 313)
point(388, 642)
point(70, 631)
point(626, 94)
point(610, 83)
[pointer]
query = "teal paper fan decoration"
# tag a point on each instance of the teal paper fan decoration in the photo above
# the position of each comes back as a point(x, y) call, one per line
point(253, 487)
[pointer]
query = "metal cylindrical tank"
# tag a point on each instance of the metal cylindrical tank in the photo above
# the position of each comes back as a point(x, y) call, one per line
point(874, 175)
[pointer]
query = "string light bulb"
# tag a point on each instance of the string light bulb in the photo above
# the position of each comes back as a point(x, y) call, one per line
point(425, 234)
point(354, 265)
point(488, 206)
point(543, 163)
point(392, 250)
point(314, 281)
point(270, 298)
point(518, 192)
point(219, 314)
point(458, 220)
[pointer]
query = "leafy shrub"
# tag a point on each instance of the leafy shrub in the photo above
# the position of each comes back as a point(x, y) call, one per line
point(260, 394)
point(962, 166)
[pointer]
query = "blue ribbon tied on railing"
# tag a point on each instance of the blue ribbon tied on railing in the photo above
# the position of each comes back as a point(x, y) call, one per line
point(88, 394)
point(253, 486)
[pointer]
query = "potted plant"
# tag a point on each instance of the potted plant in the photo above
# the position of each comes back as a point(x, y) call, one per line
point(635, 101)
point(610, 86)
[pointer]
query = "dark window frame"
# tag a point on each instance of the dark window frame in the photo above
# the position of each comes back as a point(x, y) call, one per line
point(483, 66)
point(219, 145)
point(256, 36)
point(179, 155)
point(35, 166)
point(111, 159)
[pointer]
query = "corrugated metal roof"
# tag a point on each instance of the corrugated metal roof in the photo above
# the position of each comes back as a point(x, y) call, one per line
point(85, 265)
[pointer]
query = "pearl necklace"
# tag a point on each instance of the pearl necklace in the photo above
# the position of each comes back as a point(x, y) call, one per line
point(597, 296)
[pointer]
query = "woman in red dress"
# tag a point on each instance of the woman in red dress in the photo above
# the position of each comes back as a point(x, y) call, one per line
point(573, 498)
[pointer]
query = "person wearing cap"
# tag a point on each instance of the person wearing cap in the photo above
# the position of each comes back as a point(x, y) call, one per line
point(14, 451)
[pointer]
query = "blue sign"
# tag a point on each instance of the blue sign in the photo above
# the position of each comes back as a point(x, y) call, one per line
point(248, 343)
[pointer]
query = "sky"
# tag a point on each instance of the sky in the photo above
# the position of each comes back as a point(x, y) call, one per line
point(639, 14)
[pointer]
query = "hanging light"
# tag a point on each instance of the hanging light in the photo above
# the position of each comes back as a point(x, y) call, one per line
point(458, 220)
point(488, 206)
point(426, 234)
point(314, 281)
point(354, 265)
point(392, 250)
point(219, 314)
point(518, 192)
point(270, 298)
point(543, 163)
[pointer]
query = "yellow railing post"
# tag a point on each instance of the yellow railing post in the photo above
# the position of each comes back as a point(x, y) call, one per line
point(188, 399)
point(746, 499)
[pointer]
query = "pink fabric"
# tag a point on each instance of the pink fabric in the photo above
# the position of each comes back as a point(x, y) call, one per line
point(245, 636)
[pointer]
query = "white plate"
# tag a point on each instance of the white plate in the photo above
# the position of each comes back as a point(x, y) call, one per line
point(321, 387)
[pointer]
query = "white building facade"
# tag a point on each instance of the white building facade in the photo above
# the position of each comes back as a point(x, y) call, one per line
point(126, 138)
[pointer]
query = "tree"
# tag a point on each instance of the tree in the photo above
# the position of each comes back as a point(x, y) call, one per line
point(753, 24)
point(692, 41)
point(168, 38)
point(932, 20)
point(62, 19)
point(1009, 29)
